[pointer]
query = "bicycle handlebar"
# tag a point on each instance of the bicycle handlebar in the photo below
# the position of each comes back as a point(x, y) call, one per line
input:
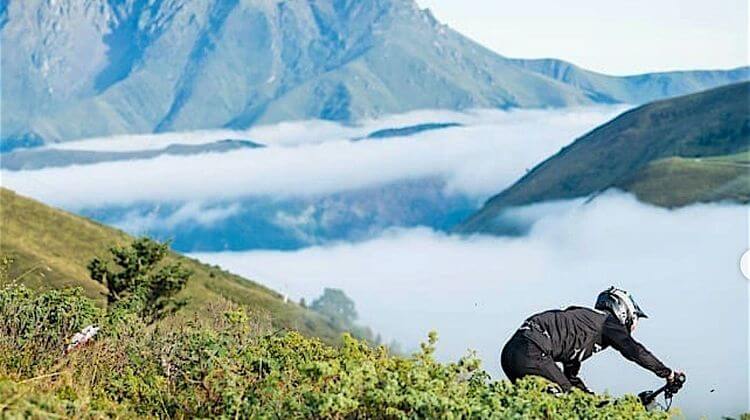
point(669, 389)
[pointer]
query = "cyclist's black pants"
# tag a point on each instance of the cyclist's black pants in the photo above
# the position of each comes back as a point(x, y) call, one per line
point(521, 357)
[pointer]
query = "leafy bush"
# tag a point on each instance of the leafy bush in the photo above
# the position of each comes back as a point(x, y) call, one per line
point(232, 363)
point(140, 285)
point(35, 327)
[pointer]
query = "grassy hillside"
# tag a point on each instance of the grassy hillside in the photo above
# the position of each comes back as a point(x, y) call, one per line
point(51, 249)
point(671, 153)
point(680, 181)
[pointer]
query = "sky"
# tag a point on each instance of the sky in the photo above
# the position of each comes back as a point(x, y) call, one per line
point(614, 37)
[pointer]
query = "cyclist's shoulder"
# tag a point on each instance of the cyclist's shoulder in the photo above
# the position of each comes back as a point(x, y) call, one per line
point(583, 310)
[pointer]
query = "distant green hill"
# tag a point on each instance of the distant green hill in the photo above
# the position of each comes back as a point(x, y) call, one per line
point(678, 181)
point(51, 249)
point(670, 153)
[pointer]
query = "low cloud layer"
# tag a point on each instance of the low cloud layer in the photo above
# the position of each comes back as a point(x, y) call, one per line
point(681, 265)
point(305, 159)
point(137, 222)
point(294, 133)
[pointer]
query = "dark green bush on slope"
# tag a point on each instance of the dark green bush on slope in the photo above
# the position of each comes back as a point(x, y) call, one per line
point(35, 327)
point(233, 364)
point(142, 284)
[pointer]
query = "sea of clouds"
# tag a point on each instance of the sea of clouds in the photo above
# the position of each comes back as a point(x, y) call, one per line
point(315, 158)
point(682, 266)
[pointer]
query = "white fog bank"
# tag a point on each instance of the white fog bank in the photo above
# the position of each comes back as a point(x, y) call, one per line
point(682, 266)
point(491, 150)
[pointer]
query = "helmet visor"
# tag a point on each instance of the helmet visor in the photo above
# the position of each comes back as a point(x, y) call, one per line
point(638, 312)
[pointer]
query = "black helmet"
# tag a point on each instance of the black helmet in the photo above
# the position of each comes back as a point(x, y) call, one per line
point(621, 305)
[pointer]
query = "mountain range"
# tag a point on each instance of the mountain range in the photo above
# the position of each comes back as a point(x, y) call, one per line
point(89, 68)
point(670, 153)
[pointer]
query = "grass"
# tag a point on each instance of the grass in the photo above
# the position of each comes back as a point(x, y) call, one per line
point(676, 181)
point(51, 248)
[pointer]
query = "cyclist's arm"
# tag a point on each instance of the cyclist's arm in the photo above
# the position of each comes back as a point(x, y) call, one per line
point(616, 335)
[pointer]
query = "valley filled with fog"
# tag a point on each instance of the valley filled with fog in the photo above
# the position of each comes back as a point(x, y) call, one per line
point(312, 182)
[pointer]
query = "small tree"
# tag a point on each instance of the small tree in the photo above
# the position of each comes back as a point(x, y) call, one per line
point(336, 305)
point(141, 285)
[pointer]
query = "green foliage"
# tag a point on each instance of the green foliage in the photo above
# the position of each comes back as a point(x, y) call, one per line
point(23, 401)
point(35, 327)
point(231, 363)
point(140, 285)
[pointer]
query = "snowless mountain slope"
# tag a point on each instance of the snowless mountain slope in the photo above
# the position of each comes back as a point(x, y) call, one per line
point(75, 69)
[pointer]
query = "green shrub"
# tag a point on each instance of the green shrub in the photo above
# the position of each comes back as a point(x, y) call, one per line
point(140, 285)
point(231, 363)
point(35, 327)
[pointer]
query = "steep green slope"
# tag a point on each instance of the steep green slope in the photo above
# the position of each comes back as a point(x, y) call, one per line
point(631, 152)
point(51, 249)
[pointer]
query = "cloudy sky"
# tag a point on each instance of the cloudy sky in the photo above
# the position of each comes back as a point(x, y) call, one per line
point(621, 37)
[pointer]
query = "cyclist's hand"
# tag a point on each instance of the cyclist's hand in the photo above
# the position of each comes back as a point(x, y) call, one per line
point(674, 374)
point(675, 381)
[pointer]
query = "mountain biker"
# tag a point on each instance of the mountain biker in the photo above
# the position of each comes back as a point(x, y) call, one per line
point(572, 335)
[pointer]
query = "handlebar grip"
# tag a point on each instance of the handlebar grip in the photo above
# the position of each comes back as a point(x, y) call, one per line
point(675, 385)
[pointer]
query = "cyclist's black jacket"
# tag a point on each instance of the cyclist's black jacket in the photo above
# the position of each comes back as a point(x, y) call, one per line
point(572, 335)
